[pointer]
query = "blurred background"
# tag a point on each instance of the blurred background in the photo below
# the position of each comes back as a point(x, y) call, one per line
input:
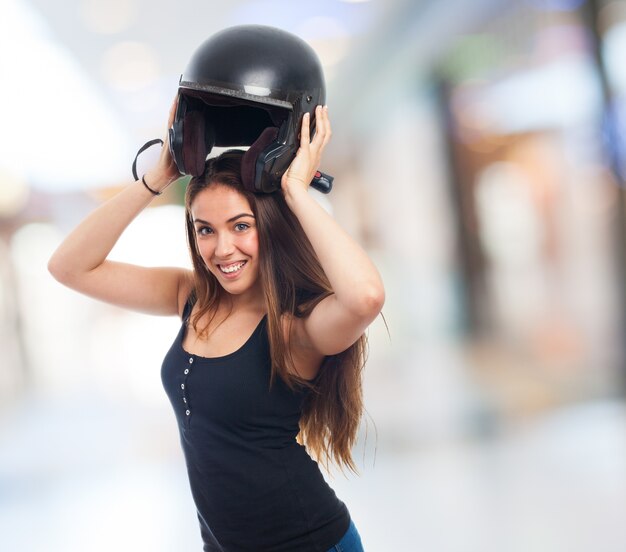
point(478, 153)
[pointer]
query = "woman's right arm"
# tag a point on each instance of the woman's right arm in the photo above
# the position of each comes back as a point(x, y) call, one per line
point(80, 262)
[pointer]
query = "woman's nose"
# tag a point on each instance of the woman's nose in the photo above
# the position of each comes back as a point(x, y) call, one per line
point(224, 246)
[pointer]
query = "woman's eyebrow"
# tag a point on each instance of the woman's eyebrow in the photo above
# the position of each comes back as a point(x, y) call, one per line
point(239, 216)
point(201, 221)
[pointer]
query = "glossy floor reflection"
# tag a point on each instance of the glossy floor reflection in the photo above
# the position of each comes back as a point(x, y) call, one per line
point(80, 473)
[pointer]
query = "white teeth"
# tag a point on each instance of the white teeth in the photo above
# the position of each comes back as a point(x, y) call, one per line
point(232, 268)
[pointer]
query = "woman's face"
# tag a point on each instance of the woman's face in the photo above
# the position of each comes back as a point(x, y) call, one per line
point(227, 239)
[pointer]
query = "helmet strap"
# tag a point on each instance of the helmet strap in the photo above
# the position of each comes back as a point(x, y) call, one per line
point(141, 150)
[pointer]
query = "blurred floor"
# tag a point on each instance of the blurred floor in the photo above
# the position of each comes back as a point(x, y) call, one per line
point(81, 473)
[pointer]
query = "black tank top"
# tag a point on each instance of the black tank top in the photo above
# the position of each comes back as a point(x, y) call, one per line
point(255, 488)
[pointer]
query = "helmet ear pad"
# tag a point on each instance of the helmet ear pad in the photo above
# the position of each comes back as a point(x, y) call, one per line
point(249, 175)
point(198, 140)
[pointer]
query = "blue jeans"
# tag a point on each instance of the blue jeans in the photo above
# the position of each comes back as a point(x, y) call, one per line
point(350, 542)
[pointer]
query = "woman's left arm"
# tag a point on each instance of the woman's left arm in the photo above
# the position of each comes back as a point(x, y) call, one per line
point(337, 321)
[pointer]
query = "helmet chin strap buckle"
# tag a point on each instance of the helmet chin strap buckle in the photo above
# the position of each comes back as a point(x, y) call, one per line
point(322, 182)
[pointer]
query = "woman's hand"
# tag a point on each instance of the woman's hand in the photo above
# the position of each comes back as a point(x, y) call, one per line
point(165, 171)
point(306, 162)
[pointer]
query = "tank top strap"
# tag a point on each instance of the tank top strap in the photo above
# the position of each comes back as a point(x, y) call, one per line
point(191, 301)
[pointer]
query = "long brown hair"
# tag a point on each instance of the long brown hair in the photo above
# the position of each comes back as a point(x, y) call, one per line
point(293, 282)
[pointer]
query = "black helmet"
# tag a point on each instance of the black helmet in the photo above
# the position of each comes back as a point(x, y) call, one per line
point(248, 85)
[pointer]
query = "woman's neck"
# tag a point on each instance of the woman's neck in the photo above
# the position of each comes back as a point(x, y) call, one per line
point(250, 302)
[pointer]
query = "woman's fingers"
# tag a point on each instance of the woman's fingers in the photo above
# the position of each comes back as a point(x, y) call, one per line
point(319, 126)
point(304, 131)
point(322, 128)
point(328, 132)
point(303, 167)
point(172, 114)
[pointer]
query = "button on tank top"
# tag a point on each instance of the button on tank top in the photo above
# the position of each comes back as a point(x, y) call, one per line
point(255, 488)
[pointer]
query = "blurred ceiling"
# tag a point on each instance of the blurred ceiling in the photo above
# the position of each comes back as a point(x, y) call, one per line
point(134, 51)
point(107, 70)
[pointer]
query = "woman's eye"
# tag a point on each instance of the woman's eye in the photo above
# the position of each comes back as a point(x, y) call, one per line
point(241, 226)
point(204, 230)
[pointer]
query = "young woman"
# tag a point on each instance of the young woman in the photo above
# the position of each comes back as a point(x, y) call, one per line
point(270, 352)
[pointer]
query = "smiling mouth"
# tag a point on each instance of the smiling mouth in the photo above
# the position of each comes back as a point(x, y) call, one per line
point(232, 268)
